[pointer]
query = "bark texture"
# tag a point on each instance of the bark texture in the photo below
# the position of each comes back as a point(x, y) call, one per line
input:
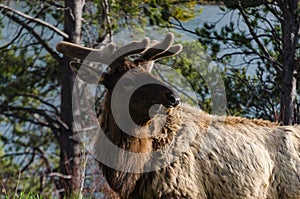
point(69, 145)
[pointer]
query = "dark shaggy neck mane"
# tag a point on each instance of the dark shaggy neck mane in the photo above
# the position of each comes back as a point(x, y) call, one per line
point(121, 181)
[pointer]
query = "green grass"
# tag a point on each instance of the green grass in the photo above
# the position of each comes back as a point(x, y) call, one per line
point(30, 195)
point(23, 195)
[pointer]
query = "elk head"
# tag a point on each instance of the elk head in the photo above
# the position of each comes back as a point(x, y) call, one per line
point(130, 76)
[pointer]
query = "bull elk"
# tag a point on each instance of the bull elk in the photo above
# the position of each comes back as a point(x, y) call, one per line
point(231, 157)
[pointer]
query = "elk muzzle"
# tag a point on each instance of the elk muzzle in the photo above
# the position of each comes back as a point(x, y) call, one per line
point(172, 99)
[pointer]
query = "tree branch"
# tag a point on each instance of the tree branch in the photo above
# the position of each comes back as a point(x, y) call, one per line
point(13, 40)
point(9, 11)
point(53, 124)
point(32, 31)
point(60, 175)
point(29, 162)
point(258, 42)
point(40, 100)
point(274, 12)
point(107, 17)
point(48, 165)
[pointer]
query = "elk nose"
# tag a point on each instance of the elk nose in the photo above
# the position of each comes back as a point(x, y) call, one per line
point(172, 99)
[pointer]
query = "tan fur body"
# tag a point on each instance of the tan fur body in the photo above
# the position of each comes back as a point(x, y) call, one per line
point(235, 158)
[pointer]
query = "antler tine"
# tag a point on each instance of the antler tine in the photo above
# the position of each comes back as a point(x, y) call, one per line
point(107, 55)
point(129, 49)
point(114, 58)
point(172, 51)
point(158, 48)
point(96, 55)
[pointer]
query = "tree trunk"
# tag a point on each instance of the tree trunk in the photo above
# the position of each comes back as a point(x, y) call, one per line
point(70, 148)
point(290, 29)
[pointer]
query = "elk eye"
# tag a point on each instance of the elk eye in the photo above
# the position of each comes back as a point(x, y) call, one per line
point(128, 83)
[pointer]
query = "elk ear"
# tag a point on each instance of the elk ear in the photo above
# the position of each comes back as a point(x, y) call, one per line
point(86, 73)
point(107, 80)
point(92, 75)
